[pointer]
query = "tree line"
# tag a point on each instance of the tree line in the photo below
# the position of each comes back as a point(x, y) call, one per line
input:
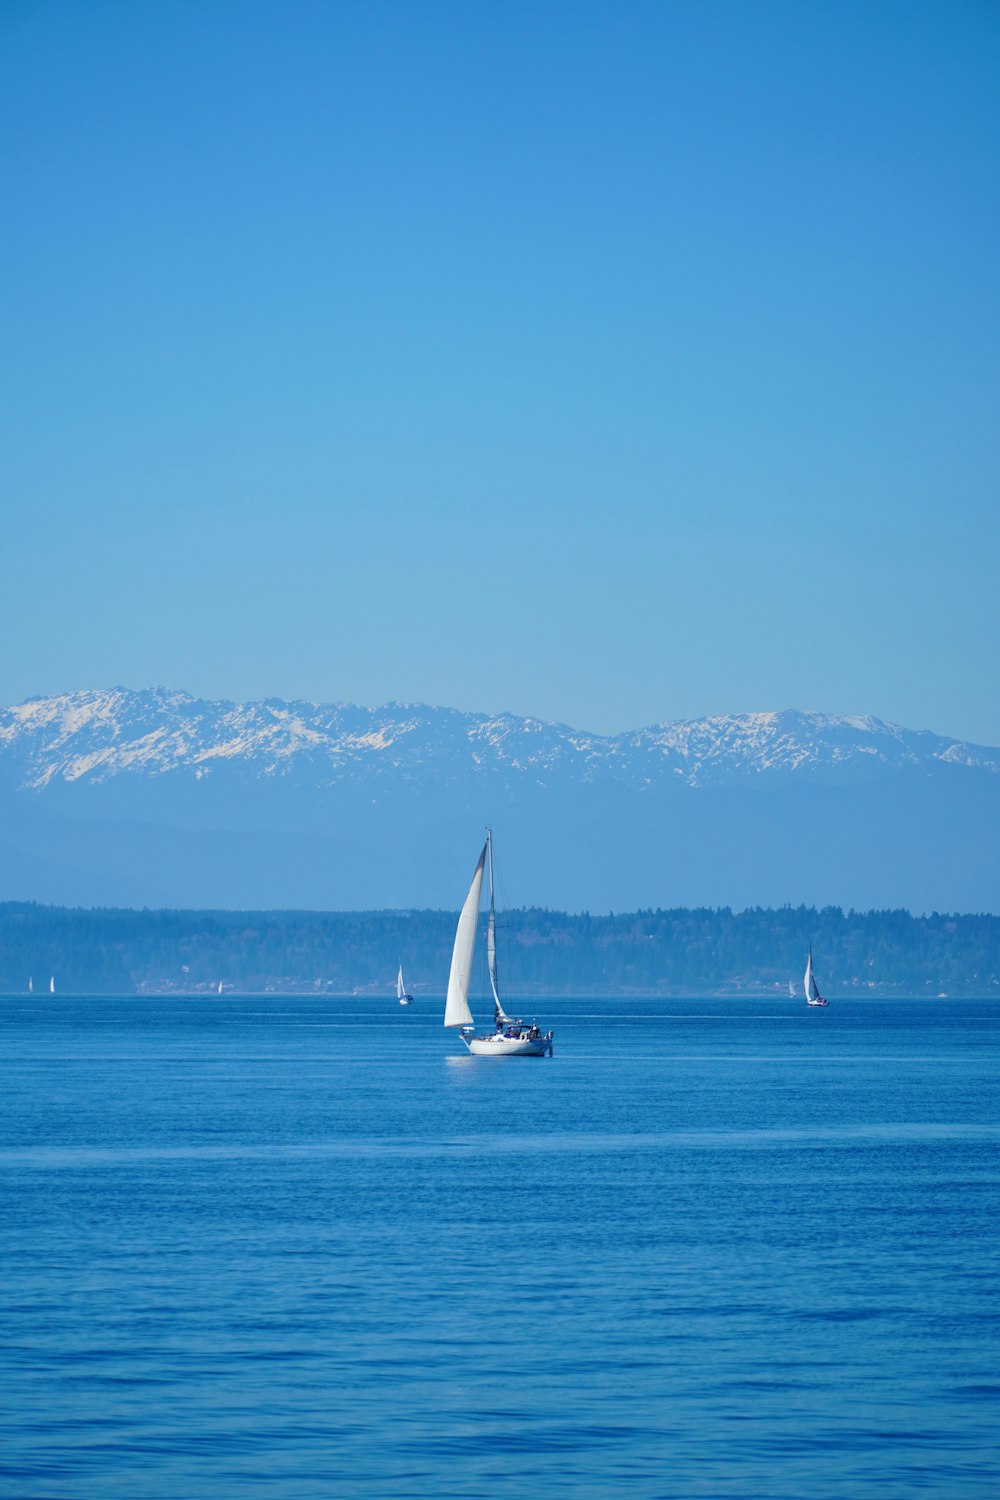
point(683, 951)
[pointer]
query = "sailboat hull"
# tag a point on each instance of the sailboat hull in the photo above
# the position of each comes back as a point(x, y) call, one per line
point(508, 1046)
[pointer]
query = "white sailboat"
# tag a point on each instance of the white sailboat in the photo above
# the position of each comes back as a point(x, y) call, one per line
point(401, 995)
point(813, 996)
point(52, 985)
point(510, 1037)
point(791, 990)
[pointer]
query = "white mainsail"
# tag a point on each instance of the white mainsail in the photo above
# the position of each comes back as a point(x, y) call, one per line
point(491, 955)
point(400, 986)
point(456, 1009)
point(491, 941)
point(52, 985)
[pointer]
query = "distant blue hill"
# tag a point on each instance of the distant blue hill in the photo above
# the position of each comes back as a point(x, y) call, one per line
point(681, 952)
point(157, 798)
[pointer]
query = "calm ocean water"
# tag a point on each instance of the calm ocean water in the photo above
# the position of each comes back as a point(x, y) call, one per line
point(296, 1248)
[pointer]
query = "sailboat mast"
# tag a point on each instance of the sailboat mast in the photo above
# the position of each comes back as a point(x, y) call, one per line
point(491, 932)
point(500, 1016)
point(493, 910)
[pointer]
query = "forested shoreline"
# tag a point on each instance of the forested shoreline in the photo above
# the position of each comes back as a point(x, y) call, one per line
point(683, 951)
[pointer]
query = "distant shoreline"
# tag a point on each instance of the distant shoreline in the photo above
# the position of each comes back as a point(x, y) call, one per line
point(684, 952)
point(520, 1002)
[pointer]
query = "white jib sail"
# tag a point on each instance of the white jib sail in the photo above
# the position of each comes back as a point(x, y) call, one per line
point(456, 1009)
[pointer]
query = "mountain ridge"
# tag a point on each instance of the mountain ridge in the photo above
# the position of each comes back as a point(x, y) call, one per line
point(154, 796)
point(96, 733)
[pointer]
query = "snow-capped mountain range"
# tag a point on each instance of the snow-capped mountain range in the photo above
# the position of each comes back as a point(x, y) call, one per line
point(154, 797)
point(93, 736)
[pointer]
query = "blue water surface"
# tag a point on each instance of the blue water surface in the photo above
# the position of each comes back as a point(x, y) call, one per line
point(287, 1248)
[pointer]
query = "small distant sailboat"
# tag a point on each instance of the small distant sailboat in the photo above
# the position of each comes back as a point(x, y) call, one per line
point(510, 1037)
point(219, 990)
point(813, 996)
point(31, 985)
point(791, 989)
point(52, 985)
point(401, 995)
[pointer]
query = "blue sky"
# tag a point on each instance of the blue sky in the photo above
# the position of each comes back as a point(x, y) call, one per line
point(607, 362)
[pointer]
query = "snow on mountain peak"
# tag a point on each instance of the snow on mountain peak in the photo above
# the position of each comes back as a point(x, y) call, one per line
point(95, 735)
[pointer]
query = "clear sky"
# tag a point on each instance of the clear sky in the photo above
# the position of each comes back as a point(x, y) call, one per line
point(607, 362)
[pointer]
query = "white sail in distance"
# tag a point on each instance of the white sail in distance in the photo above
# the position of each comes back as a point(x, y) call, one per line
point(456, 1010)
point(812, 988)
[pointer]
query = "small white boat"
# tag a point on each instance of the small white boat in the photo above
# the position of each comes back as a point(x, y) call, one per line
point(510, 1037)
point(813, 996)
point(401, 995)
point(52, 985)
point(791, 990)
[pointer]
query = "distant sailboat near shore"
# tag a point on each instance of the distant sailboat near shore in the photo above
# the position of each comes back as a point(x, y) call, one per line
point(813, 996)
point(52, 985)
point(510, 1037)
point(401, 995)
